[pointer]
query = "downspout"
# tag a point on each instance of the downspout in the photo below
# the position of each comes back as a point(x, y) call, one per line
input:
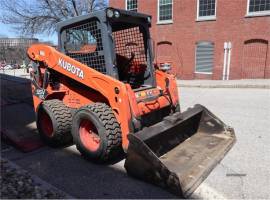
point(225, 61)
point(229, 60)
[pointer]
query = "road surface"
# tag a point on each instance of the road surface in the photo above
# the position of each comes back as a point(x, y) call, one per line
point(244, 172)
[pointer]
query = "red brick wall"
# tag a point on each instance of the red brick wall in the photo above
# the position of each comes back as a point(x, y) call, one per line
point(230, 25)
point(254, 57)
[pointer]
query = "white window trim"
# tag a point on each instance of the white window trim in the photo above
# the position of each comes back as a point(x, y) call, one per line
point(206, 18)
point(256, 13)
point(170, 21)
point(126, 6)
point(202, 72)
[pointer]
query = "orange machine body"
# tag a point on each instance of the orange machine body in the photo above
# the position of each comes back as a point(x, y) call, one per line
point(80, 85)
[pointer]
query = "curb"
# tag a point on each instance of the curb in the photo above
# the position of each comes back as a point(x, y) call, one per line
point(247, 86)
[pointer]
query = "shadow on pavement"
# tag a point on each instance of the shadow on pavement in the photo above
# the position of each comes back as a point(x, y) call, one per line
point(15, 90)
point(17, 114)
point(68, 171)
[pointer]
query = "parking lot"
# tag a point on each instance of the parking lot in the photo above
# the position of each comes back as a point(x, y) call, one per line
point(244, 172)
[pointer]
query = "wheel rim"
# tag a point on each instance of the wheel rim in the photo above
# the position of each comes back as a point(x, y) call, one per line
point(46, 124)
point(89, 135)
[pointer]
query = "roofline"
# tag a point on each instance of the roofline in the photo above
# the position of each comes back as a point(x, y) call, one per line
point(101, 14)
point(131, 13)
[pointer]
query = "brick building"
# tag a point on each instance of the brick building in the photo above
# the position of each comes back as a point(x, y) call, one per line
point(209, 39)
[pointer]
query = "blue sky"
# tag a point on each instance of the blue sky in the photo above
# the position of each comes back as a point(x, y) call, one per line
point(8, 31)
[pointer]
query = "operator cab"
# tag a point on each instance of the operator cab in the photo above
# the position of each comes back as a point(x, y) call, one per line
point(114, 42)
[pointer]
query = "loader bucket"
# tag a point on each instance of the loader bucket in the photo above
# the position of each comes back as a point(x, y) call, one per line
point(179, 152)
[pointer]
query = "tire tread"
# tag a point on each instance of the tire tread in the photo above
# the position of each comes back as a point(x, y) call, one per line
point(63, 117)
point(112, 127)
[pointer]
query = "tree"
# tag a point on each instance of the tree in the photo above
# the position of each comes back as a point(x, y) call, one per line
point(3, 54)
point(31, 17)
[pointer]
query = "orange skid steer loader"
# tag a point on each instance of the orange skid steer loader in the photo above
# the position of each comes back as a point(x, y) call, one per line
point(102, 91)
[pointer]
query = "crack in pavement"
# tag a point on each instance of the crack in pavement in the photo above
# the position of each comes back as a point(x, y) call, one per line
point(240, 177)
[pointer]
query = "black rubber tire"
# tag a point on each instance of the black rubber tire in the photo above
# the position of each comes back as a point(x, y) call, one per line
point(102, 117)
point(61, 119)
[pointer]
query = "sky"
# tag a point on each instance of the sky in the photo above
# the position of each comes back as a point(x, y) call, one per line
point(8, 31)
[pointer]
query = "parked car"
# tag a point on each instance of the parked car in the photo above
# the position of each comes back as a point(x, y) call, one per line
point(23, 66)
point(16, 66)
point(2, 65)
point(8, 67)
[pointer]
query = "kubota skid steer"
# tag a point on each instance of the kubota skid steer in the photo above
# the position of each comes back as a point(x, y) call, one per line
point(102, 87)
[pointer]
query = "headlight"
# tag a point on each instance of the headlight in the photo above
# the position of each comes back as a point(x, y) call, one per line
point(116, 14)
point(149, 20)
point(109, 13)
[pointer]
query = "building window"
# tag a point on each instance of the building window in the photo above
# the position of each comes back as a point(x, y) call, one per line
point(206, 9)
point(132, 5)
point(204, 57)
point(258, 7)
point(165, 11)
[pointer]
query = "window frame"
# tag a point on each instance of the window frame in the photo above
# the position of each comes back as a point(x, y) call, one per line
point(169, 21)
point(126, 3)
point(195, 67)
point(256, 13)
point(206, 18)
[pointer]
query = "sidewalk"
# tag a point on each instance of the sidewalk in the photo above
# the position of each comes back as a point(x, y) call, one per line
point(245, 83)
point(16, 72)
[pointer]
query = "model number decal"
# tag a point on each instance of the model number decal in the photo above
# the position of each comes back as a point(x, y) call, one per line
point(40, 93)
point(71, 68)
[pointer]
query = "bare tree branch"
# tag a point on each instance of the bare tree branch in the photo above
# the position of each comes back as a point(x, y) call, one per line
point(41, 16)
point(75, 7)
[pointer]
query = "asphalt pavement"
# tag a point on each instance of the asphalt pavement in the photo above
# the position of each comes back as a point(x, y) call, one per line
point(243, 83)
point(243, 173)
